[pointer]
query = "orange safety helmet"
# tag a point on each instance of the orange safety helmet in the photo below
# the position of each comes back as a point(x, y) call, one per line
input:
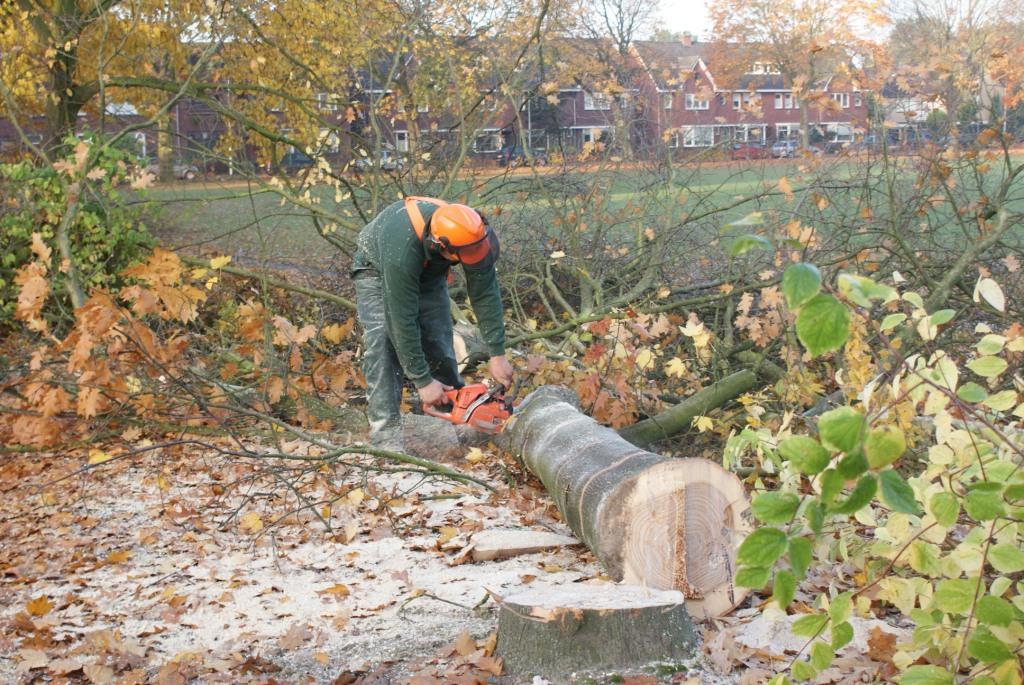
point(459, 231)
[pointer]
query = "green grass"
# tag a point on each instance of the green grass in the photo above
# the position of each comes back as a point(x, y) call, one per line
point(254, 227)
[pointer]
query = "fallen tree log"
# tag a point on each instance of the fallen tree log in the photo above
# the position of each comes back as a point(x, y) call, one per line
point(679, 417)
point(668, 524)
point(555, 632)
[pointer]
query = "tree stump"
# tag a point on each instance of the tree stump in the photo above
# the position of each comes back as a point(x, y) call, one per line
point(556, 631)
point(668, 524)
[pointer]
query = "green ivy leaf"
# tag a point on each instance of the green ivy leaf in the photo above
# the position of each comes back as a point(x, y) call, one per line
point(981, 505)
point(841, 429)
point(942, 316)
point(822, 324)
point(926, 675)
point(861, 290)
point(995, 611)
point(806, 454)
point(1002, 401)
point(955, 595)
point(971, 392)
point(775, 507)
point(1006, 558)
point(842, 634)
point(762, 547)
point(892, 321)
point(821, 655)
point(945, 508)
point(852, 465)
point(897, 494)
point(753, 576)
point(832, 483)
point(987, 367)
point(986, 647)
point(784, 589)
point(800, 282)
point(800, 551)
point(841, 607)
point(810, 625)
point(802, 670)
point(746, 243)
point(991, 344)
point(884, 446)
point(859, 497)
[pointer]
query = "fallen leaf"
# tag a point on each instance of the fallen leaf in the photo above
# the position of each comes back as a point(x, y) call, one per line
point(464, 644)
point(64, 666)
point(338, 590)
point(447, 533)
point(251, 523)
point(40, 606)
point(296, 636)
point(492, 665)
point(99, 456)
point(118, 557)
point(475, 455)
point(99, 674)
point(32, 658)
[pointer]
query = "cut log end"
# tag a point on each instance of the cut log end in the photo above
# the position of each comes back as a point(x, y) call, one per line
point(683, 521)
point(556, 631)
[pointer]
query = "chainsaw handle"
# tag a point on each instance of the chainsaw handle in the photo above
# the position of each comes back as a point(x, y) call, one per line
point(441, 411)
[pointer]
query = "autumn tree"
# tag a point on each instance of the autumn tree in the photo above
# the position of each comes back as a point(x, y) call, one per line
point(804, 41)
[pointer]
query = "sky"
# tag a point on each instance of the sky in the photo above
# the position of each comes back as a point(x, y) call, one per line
point(686, 15)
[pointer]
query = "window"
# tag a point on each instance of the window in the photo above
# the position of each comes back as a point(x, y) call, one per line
point(596, 101)
point(784, 131)
point(842, 98)
point(856, 100)
point(327, 102)
point(673, 139)
point(402, 141)
point(694, 101)
point(422, 109)
point(698, 136)
point(740, 100)
point(487, 141)
point(785, 101)
point(751, 134)
point(764, 68)
point(666, 100)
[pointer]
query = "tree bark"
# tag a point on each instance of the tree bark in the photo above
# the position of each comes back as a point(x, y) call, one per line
point(670, 524)
point(680, 417)
point(557, 631)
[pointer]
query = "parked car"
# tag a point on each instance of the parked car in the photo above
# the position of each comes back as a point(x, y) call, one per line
point(182, 171)
point(792, 148)
point(388, 160)
point(295, 161)
point(513, 156)
point(750, 151)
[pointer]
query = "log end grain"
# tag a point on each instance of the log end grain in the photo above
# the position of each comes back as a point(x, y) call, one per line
point(557, 631)
point(683, 521)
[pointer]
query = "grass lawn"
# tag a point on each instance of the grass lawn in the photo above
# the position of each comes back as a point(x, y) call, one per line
point(254, 227)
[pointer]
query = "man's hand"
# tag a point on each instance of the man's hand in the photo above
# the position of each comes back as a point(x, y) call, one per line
point(501, 370)
point(434, 393)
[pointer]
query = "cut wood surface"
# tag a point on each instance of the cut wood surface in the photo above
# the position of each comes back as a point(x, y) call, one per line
point(558, 631)
point(663, 523)
point(504, 543)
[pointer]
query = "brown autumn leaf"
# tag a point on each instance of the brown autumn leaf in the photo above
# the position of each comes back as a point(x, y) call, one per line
point(296, 636)
point(40, 606)
point(32, 658)
point(64, 666)
point(493, 665)
point(118, 557)
point(464, 644)
point(99, 674)
point(881, 645)
point(786, 188)
point(338, 590)
point(40, 249)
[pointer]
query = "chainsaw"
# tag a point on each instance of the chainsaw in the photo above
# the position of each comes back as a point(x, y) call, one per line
point(485, 409)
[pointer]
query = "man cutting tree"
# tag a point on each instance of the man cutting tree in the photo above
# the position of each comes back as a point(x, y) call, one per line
point(400, 271)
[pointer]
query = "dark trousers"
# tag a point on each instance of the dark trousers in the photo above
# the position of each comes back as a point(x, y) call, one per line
point(383, 372)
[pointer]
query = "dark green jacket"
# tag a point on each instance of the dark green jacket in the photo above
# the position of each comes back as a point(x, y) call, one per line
point(389, 245)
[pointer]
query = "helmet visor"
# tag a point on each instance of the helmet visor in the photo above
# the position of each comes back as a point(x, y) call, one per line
point(481, 254)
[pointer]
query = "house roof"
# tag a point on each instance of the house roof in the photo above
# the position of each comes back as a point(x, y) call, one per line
point(669, 62)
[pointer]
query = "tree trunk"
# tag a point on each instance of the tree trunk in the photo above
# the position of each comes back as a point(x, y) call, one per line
point(669, 524)
point(557, 631)
point(165, 149)
point(680, 417)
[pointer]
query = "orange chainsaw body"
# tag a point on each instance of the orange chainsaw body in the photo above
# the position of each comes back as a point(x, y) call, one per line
point(475, 405)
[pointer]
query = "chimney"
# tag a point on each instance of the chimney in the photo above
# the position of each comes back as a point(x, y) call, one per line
point(687, 38)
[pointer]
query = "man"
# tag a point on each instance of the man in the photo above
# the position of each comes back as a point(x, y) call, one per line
point(400, 271)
